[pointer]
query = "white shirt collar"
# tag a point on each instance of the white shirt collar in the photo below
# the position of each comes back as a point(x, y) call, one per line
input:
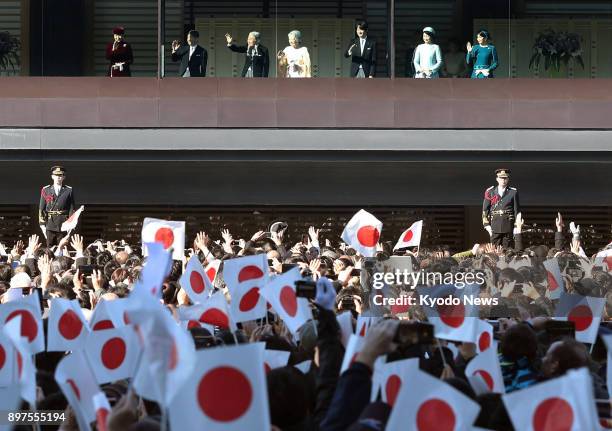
point(501, 190)
point(57, 189)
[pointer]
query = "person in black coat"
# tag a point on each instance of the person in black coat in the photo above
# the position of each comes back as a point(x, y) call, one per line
point(193, 57)
point(362, 51)
point(56, 205)
point(500, 209)
point(120, 55)
point(257, 60)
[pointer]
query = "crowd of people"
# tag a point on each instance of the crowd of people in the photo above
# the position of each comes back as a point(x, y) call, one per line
point(424, 61)
point(320, 396)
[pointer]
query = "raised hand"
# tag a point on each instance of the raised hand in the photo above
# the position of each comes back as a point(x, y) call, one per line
point(33, 245)
point(229, 38)
point(519, 222)
point(44, 266)
point(175, 45)
point(559, 222)
point(97, 280)
point(77, 244)
point(469, 46)
point(258, 235)
point(64, 242)
point(201, 242)
point(314, 235)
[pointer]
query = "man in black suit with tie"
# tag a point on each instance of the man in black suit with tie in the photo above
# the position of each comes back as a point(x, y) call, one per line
point(56, 205)
point(193, 57)
point(500, 209)
point(257, 61)
point(362, 50)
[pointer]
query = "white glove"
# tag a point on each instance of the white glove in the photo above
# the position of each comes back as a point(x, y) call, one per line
point(488, 229)
point(575, 230)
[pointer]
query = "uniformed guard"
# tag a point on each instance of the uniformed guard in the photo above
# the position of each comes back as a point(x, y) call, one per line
point(56, 205)
point(499, 209)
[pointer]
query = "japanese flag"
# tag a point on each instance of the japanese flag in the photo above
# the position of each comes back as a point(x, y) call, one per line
point(411, 237)
point(213, 311)
point(556, 285)
point(564, 403)
point(28, 308)
point(484, 373)
point(275, 359)
point(67, 328)
point(393, 375)
point(604, 258)
point(584, 311)
point(156, 268)
point(426, 403)
point(485, 336)
point(608, 341)
point(353, 347)
point(453, 315)
point(364, 323)
point(73, 220)
point(195, 281)
point(113, 353)
point(225, 392)
point(103, 408)
point(25, 370)
point(362, 232)
point(212, 269)
point(76, 380)
point(170, 234)
point(244, 277)
point(108, 314)
point(280, 293)
point(8, 361)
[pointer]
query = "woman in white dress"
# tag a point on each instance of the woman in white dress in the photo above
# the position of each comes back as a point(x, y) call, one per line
point(427, 56)
point(294, 60)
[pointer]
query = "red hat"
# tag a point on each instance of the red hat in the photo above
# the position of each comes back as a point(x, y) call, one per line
point(119, 30)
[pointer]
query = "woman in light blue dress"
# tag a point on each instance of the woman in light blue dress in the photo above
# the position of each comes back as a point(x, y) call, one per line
point(483, 56)
point(427, 56)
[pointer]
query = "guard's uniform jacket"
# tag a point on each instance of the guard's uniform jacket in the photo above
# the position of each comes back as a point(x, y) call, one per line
point(53, 209)
point(500, 212)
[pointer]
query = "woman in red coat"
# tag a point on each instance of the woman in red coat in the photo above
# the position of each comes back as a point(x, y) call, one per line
point(119, 53)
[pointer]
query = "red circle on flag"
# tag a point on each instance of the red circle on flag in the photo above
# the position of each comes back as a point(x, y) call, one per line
point(267, 367)
point(113, 353)
point(75, 388)
point(165, 236)
point(582, 316)
point(211, 273)
point(2, 356)
point(126, 318)
point(368, 236)
point(218, 386)
point(249, 300)
point(194, 323)
point(214, 316)
point(19, 363)
point(408, 236)
point(484, 341)
point(452, 315)
point(173, 360)
point(394, 383)
point(29, 329)
point(288, 300)
point(250, 272)
point(362, 332)
point(197, 282)
point(70, 325)
point(103, 324)
point(552, 282)
point(435, 415)
point(553, 414)
point(486, 377)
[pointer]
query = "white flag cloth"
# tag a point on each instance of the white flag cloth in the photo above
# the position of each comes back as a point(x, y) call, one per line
point(8, 361)
point(26, 370)
point(556, 284)
point(244, 277)
point(170, 234)
point(453, 314)
point(608, 341)
point(28, 308)
point(353, 347)
point(411, 237)
point(155, 270)
point(212, 269)
point(72, 221)
point(393, 375)
point(275, 359)
point(280, 293)
point(10, 399)
point(225, 392)
point(103, 408)
point(76, 380)
point(364, 323)
point(214, 311)
point(564, 403)
point(427, 403)
point(484, 336)
point(484, 373)
point(195, 281)
point(362, 232)
point(345, 321)
point(67, 328)
point(584, 311)
point(113, 353)
point(604, 258)
point(108, 314)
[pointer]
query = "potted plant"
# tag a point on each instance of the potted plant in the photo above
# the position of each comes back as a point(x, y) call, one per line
point(556, 48)
point(9, 51)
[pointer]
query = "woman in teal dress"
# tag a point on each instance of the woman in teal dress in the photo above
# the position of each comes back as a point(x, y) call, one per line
point(483, 56)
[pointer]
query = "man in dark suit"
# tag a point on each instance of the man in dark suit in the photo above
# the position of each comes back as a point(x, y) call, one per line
point(193, 57)
point(500, 209)
point(362, 50)
point(257, 61)
point(56, 205)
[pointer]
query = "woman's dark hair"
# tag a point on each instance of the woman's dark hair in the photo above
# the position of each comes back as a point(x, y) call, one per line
point(519, 341)
point(6, 272)
point(288, 395)
point(484, 33)
point(362, 25)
